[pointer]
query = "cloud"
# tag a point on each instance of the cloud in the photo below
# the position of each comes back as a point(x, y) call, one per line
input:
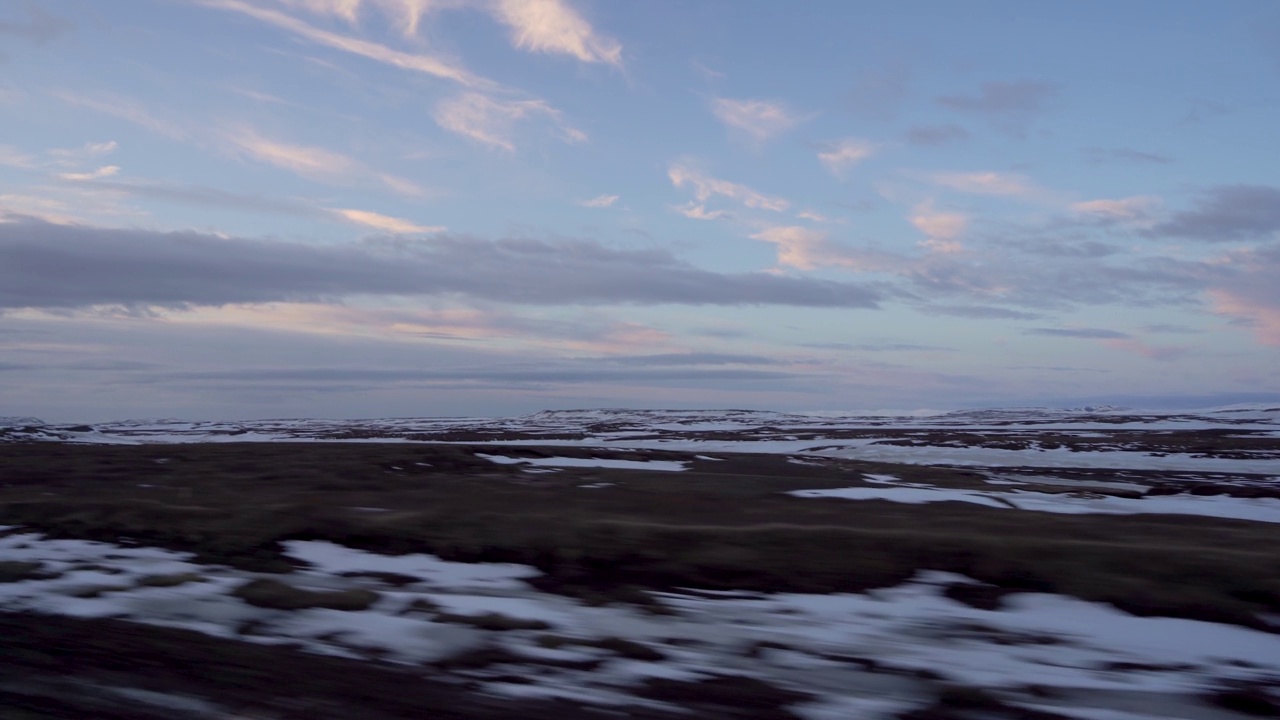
point(40, 27)
point(439, 67)
point(931, 135)
point(798, 247)
point(315, 163)
point(552, 26)
point(212, 197)
point(124, 109)
point(942, 228)
point(307, 161)
point(385, 223)
point(1127, 155)
point(600, 201)
point(705, 187)
point(1263, 317)
point(843, 154)
point(695, 211)
point(89, 149)
point(1170, 328)
point(978, 311)
point(691, 358)
point(492, 121)
point(1130, 208)
point(880, 347)
point(514, 374)
point(1152, 352)
point(984, 183)
point(879, 92)
point(760, 120)
point(1090, 333)
point(11, 156)
point(1009, 105)
point(545, 26)
point(102, 172)
point(1227, 213)
point(43, 265)
point(13, 206)
point(1245, 289)
point(805, 248)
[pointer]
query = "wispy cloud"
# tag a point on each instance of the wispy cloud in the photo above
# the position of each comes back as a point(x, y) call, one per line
point(15, 208)
point(978, 312)
point(760, 120)
point(1088, 333)
point(1127, 155)
point(984, 183)
point(385, 223)
point(89, 149)
point(696, 211)
point(1130, 208)
point(1151, 352)
point(600, 201)
point(492, 122)
point(543, 26)
point(840, 155)
point(1010, 106)
point(929, 135)
point(432, 65)
point(11, 156)
point(40, 27)
point(705, 187)
point(552, 26)
point(102, 172)
point(124, 109)
point(314, 163)
point(305, 160)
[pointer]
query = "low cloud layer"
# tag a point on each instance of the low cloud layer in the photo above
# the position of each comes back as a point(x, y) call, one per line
point(45, 265)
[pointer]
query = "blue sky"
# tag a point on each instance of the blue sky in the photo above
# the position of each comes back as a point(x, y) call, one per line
point(261, 208)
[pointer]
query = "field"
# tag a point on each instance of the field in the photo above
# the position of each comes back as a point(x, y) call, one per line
point(756, 571)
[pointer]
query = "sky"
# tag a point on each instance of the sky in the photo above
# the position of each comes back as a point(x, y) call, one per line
point(222, 209)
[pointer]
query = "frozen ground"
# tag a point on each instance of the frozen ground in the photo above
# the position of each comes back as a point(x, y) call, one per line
point(875, 655)
point(1083, 502)
point(1030, 437)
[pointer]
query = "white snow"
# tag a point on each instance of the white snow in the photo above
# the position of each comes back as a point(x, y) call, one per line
point(331, 558)
point(1221, 506)
point(662, 465)
point(909, 495)
point(1047, 640)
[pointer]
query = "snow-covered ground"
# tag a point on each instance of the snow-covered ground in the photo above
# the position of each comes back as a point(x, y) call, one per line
point(871, 654)
point(1075, 503)
point(1102, 437)
point(660, 465)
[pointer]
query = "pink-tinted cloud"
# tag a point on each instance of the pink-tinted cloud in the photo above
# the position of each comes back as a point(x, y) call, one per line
point(759, 120)
point(705, 187)
point(985, 183)
point(1263, 318)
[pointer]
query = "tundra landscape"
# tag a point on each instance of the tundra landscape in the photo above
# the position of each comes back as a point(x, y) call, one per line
point(1024, 563)
point(666, 360)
